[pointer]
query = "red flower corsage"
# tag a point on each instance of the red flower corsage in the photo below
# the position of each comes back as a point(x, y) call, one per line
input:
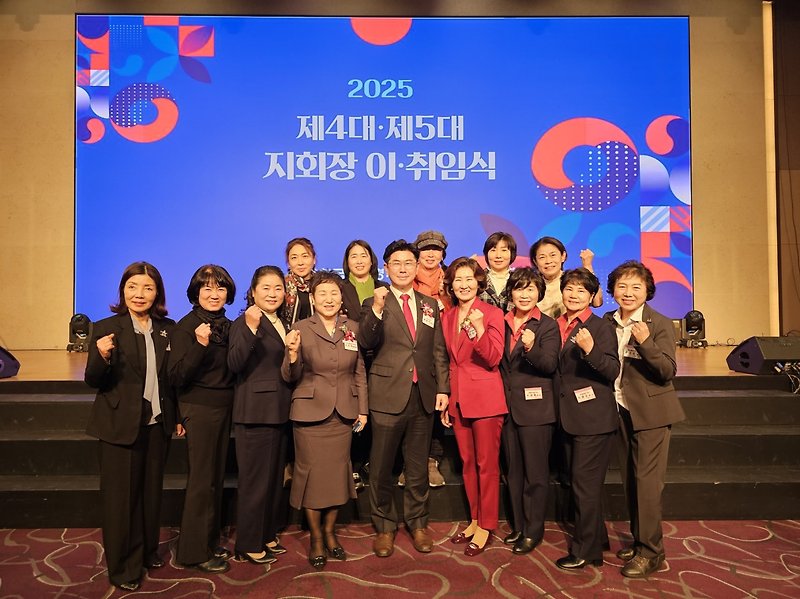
point(466, 325)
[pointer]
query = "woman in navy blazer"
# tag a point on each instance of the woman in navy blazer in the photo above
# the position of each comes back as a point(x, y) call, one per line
point(473, 334)
point(530, 358)
point(588, 365)
point(648, 407)
point(134, 417)
point(260, 416)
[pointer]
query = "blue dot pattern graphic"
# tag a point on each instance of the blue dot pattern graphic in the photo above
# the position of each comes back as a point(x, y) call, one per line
point(130, 104)
point(621, 164)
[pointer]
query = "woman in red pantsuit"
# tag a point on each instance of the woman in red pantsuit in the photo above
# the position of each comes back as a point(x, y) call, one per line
point(473, 332)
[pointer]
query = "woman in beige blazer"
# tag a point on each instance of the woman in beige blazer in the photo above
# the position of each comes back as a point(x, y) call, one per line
point(329, 402)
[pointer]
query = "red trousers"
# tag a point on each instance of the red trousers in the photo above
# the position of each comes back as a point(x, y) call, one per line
point(479, 446)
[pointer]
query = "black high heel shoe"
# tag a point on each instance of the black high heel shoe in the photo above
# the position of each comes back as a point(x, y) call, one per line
point(277, 548)
point(317, 561)
point(267, 558)
point(337, 551)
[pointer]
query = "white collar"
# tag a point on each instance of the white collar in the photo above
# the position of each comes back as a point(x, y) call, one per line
point(635, 317)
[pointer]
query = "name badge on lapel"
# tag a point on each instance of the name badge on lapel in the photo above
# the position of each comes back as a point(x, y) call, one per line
point(533, 393)
point(427, 315)
point(631, 352)
point(584, 394)
point(350, 345)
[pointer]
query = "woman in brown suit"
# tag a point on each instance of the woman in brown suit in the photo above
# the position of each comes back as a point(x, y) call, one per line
point(329, 403)
point(648, 406)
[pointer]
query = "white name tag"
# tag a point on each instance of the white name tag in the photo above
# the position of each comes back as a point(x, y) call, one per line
point(533, 393)
point(350, 345)
point(584, 394)
point(440, 305)
point(631, 352)
point(427, 321)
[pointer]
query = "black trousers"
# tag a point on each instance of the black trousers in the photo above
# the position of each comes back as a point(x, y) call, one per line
point(131, 482)
point(643, 460)
point(208, 433)
point(411, 428)
point(527, 449)
point(261, 457)
point(590, 457)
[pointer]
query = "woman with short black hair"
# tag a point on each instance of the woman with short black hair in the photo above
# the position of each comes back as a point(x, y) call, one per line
point(204, 386)
point(530, 359)
point(499, 251)
point(329, 402)
point(548, 256)
point(587, 413)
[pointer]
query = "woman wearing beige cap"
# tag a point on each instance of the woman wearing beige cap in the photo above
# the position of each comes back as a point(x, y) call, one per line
point(432, 248)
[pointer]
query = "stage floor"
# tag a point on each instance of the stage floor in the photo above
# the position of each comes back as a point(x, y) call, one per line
point(60, 365)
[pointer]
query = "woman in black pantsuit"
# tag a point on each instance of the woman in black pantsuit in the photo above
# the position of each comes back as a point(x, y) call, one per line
point(204, 386)
point(588, 365)
point(260, 416)
point(133, 416)
point(530, 359)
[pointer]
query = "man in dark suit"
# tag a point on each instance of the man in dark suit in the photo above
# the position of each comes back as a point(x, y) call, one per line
point(408, 380)
point(648, 407)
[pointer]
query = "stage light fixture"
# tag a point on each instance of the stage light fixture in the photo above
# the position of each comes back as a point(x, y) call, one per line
point(693, 330)
point(80, 332)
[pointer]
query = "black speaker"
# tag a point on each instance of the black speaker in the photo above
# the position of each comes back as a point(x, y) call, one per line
point(9, 365)
point(761, 355)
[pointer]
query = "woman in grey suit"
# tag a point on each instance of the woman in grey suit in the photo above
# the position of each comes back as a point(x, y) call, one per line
point(648, 407)
point(328, 404)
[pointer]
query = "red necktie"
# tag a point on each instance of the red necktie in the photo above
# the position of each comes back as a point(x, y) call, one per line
point(410, 322)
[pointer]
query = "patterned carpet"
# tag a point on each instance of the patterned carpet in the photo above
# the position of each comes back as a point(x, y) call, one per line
point(717, 559)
